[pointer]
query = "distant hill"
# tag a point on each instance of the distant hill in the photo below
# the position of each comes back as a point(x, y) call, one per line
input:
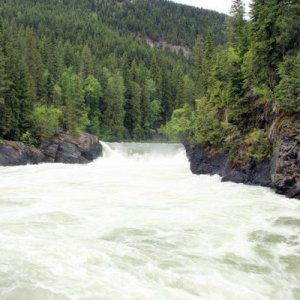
point(161, 20)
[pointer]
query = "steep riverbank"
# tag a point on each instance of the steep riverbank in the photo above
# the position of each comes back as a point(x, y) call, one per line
point(61, 148)
point(280, 172)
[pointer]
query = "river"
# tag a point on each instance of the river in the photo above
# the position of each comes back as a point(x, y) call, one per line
point(137, 225)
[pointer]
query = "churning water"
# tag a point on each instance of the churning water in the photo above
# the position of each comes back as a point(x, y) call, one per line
point(137, 224)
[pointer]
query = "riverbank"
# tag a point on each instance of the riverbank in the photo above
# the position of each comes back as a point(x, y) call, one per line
point(280, 172)
point(61, 148)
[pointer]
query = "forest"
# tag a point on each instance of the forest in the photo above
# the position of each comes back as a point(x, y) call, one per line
point(63, 66)
point(247, 90)
point(84, 66)
point(162, 20)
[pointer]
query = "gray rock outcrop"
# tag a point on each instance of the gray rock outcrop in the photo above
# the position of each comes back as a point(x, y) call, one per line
point(281, 171)
point(62, 148)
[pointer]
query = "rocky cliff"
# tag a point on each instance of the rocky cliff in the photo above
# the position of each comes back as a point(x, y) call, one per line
point(62, 148)
point(281, 171)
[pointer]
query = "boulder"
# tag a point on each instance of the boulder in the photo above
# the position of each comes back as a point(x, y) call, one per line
point(16, 153)
point(64, 148)
point(205, 162)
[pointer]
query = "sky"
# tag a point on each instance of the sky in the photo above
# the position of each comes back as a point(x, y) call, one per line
point(218, 5)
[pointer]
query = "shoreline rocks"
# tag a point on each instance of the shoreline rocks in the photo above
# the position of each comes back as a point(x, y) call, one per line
point(201, 162)
point(281, 172)
point(62, 148)
point(285, 161)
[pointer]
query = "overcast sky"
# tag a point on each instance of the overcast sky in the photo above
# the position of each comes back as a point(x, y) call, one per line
point(219, 5)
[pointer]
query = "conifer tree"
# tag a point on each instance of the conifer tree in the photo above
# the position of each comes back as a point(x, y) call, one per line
point(133, 115)
point(92, 94)
point(236, 26)
point(114, 113)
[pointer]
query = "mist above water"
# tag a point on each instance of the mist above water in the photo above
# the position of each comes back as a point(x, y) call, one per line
point(136, 224)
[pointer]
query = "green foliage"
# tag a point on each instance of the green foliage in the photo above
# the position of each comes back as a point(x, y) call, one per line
point(288, 89)
point(162, 20)
point(133, 118)
point(237, 26)
point(181, 124)
point(209, 130)
point(155, 114)
point(243, 86)
point(75, 112)
point(92, 94)
point(114, 113)
point(46, 121)
point(70, 56)
point(257, 145)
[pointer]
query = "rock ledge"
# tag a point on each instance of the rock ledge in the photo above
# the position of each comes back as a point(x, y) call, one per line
point(62, 148)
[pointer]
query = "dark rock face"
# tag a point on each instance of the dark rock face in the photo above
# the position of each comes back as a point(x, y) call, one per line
point(62, 148)
point(202, 162)
point(281, 172)
point(253, 174)
point(285, 163)
point(16, 153)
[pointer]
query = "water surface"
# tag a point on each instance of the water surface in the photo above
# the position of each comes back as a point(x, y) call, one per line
point(137, 224)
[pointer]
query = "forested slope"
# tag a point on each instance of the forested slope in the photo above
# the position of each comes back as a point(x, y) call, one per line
point(62, 65)
point(162, 20)
point(248, 95)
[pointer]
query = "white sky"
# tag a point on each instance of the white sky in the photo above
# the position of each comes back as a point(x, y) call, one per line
point(218, 5)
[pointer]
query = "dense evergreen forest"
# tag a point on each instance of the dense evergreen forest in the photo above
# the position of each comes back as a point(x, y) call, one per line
point(62, 65)
point(162, 20)
point(83, 65)
point(248, 90)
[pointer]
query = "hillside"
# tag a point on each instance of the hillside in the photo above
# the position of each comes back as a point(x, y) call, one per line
point(58, 60)
point(161, 20)
point(245, 122)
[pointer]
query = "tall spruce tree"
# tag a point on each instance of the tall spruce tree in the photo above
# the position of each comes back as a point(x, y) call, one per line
point(236, 26)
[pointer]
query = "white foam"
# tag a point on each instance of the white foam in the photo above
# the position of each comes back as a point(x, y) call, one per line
point(136, 224)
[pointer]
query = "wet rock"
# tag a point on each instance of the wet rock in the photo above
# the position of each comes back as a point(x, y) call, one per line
point(35, 156)
point(64, 148)
point(13, 153)
point(281, 171)
point(203, 162)
point(285, 163)
point(16, 153)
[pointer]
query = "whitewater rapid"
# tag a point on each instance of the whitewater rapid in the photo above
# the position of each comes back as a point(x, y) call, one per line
point(137, 225)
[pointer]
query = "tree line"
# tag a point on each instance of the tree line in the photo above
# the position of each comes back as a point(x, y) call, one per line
point(162, 20)
point(61, 66)
point(241, 90)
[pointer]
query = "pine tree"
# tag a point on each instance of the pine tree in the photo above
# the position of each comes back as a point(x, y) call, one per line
point(200, 68)
point(3, 76)
point(114, 113)
point(86, 66)
point(34, 62)
point(288, 89)
point(92, 94)
point(236, 26)
point(75, 113)
point(133, 117)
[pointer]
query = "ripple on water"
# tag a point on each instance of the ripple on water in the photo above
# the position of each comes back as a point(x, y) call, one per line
point(139, 226)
